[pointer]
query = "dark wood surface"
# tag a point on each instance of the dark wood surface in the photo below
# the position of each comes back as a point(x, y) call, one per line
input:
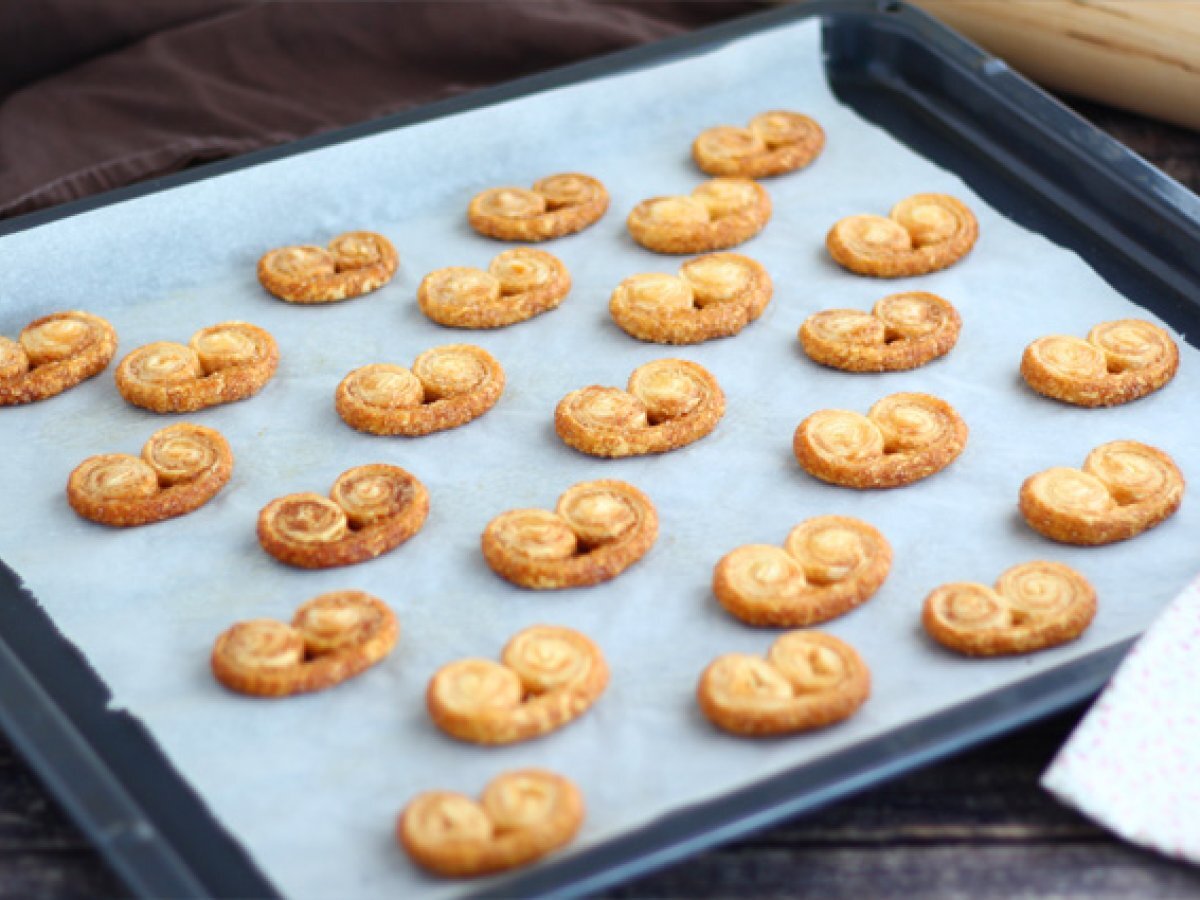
point(976, 825)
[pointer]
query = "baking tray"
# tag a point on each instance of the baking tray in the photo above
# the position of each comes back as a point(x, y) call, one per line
point(1024, 153)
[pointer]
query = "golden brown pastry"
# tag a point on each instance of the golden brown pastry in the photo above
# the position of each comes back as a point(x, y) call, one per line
point(547, 677)
point(903, 438)
point(597, 531)
point(922, 233)
point(447, 386)
point(1124, 489)
point(221, 364)
point(713, 296)
point(557, 205)
point(1120, 361)
point(370, 510)
point(52, 354)
point(355, 263)
point(827, 566)
point(1033, 606)
point(518, 285)
point(668, 403)
point(903, 331)
point(774, 143)
point(719, 214)
point(332, 638)
point(181, 468)
point(521, 817)
point(808, 680)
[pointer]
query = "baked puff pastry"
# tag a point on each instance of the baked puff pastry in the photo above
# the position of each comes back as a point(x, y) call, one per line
point(448, 386)
point(597, 531)
point(713, 296)
point(518, 285)
point(903, 331)
point(1120, 361)
point(331, 638)
point(902, 438)
point(354, 263)
point(1125, 488)
point(1033, 606)
point(827, 566)
point(221, 364)
point(557, 205)
point(52, 354)
point(808, 680)
point(522, 816)
point(181, 468)
point(370, 510)
point(719, 214)
point(667, 404)
point(773, 143)
point(922, 233)
point(547, 676)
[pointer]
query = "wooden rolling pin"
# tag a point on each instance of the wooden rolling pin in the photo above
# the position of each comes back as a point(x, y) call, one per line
point(1142, 55)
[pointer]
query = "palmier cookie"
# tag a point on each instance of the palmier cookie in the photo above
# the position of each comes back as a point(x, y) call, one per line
point(1120, 361)
point(447, 386)
point(903, 438)
point(52, 354)
point(547, 677)
point(1124, 489)
point(597, 531)
point(808, 680)
point(222, 364)
point(827, 566)
point(1033, 606)
point(774, 143)
point(332, 638)
point(668, 403)
point(355, 263)
point(370, 510)
point(903, 331)
point(518, 285)
point(922, 233)
point(557, 205)
point(713, 296)
point(181, 468)
point(719, 214)
point(521, 817)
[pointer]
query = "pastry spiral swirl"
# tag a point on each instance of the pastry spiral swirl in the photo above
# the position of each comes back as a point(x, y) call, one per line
point(331, 638)
point(448, 386)
point(181, 468)
point(827, 566)
point(719, 214)
point(518, 285)
point(52, 354)
point(923, 233)
point(370, 510)
point(1033, 606)
point(903, 331)
point(355, 263)
point(902, 439)
point(1125, 488)
point(598, 530)
point(1120, 361)
point(713, 296)
point(774, 143)
point(521, 817)
point(221, 364)
point(557, 205)
point(808, 680)
point(668, 403)
point(547, 677)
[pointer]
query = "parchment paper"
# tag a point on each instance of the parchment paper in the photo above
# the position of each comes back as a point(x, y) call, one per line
point(312, 785)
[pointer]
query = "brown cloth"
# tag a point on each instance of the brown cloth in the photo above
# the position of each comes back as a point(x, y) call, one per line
point(95, 94)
